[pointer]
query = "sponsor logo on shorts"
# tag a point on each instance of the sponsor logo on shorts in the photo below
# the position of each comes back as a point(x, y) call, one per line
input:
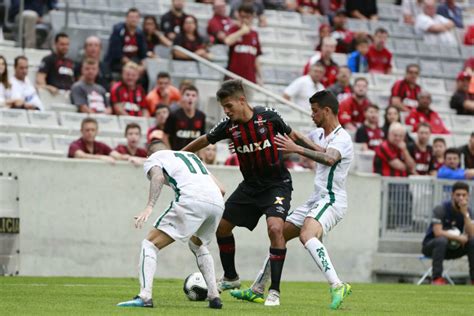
point(280, 209)
point(279, 200)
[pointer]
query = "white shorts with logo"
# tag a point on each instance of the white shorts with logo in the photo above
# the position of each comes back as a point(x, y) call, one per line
point(326, 213)
point(185, 219)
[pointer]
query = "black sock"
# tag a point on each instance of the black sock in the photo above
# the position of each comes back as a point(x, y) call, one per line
point(227, 254)
point(277, 259)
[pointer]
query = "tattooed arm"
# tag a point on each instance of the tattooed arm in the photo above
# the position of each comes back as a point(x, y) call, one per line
point(157, 179)
point(328, 158)
point(304, 141)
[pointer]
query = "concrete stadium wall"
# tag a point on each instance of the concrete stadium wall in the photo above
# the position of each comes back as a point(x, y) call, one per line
point(76, 219)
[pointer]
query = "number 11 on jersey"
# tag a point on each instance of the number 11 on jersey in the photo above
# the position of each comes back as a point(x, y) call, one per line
point(189, 163)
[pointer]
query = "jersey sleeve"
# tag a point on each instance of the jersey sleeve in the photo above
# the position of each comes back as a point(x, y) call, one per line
point(343, 145)
point(280, 125)
point(438, 215)
point(46, 64)
point(218, 132)
point(78, 97)
point(152, 161)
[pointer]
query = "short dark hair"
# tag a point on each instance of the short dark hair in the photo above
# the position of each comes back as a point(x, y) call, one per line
point(361, 79)
point(439, 140)
point(163, 74)
point(460, 186)
point(453, 151)
point(190, 87)
point(161, 106)
point(381, 30)
point(325, 98)
point(423, 124)
point(89, 120)
point(132, 125)
point(412, 66)
point(230, 88)
point(17, 59)
point(362, 40)
point(154, 146)
point(132, 10)
point(59, 36)
point(372, 106)
point(246, 8)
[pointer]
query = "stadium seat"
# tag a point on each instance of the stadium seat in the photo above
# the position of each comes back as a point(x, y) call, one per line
point(37, 143)
point(290, 114)
point(446, 118)
point(269, 75)
point(219, 52)
point(9, 142)
point(311, 21)
point(449, 52)
point(142, 121)
point(110, 20)
point(384, 82)
point(467, 51)
point(148, 6)
point(72, 120)
point(207, 88)
point(209, 73)
point(272, 17)
point(460, 140)
point(48, 98)
point(402, 62)
point(290, 19)
point(199, 10)
point(405, 47)
point(102, 5)
point(402, 30)
point(61, 142)
point(451, 69)
point(387, 11)
point(154, 66)
point(310, 37)
point(450, 85)
point(184, 69)
point(162, 51)
point(48, 119)
point(105, 140)
point(356, 25)
point(440, 103)
point(89, 19)
point(63, 107)
point(268, 56)
point(462, 123)
point(287, 37)
point(107, 123)
point(286, 75)
point(364, 161)
point(430, 67)
point(374, 25)
point(267, 36)
point(15, 117)
point(433, 85)
point(289, 57)
point(429, 50)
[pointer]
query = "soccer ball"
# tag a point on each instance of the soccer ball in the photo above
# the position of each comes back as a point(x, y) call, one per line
point(195, 287)
point(453, 245)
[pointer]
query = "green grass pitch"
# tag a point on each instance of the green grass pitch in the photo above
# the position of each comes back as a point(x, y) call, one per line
point(98, 296)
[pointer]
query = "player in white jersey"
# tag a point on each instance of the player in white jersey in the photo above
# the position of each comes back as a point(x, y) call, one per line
point(328, 203)
point(192, 217)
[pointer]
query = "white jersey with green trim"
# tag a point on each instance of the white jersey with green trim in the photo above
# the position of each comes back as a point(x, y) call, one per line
point(186, 175)
point(330, 181)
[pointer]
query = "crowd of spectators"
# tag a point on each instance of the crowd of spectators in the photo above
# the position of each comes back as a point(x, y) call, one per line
point(118, 84)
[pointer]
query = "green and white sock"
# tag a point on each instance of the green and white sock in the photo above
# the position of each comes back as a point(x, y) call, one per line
point(320, 255)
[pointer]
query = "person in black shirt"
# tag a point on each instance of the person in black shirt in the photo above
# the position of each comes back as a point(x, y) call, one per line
point(362, 9)
point(153, 36)
point(172, 20)
point(467, 153)
point(185, 124)
point(441, 242)
point(190, 39)
point(462, 100)
point(56, 71)
point(266, 188)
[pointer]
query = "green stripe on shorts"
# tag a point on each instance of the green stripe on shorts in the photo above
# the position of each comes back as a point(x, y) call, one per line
point(323, 210)
point(163, 215)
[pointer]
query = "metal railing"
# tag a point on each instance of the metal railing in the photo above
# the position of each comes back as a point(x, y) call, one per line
point(407, 205)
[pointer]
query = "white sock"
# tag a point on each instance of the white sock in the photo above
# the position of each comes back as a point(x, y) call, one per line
point(206, 266)
point(320, 255)
point(147, 268)
point(263, 277)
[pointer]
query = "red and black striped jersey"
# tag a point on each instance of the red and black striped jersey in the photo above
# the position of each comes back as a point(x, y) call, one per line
point(260, 161)
point(385, 153)
point(423, 159)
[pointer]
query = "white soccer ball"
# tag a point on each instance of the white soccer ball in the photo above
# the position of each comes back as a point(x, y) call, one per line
point(195, 287)
point(453, 244)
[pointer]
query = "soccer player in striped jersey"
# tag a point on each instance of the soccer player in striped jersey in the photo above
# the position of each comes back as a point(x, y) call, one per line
point(266, 189)
point(328, 203)
point(192, 217)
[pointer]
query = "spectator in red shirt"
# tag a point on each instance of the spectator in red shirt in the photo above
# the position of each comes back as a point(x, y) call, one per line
point(421, 151)
point(325, 58)
point(87, 147)
point(469, 35)
point(392, 158)
point(324, 31)
point(342, 89)
point(351, 110)
point(219, 25)
point(161, 115)
point(370, 135)
point(308, 7)
point(439, 147)
point(379, 57)
point(153, 35)
point(163, 93)
point(186, 124)
point(423, 113)
point(244, 46)
point(341, 34)
point(132, 152)
point(190, 39)
point(405, 92)
point(127, 96)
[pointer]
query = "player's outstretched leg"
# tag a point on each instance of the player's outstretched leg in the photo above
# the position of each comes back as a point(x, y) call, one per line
point(256, 291)
point(311, 231)
point(226, 242)
point(155, 241)
point(277, 258)
point(206, 266)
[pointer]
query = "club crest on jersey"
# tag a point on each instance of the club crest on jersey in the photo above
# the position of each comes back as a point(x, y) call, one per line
point(279, 200)
point(236, 134)
point(254, 147)
point(260, 120)
point(262, 130)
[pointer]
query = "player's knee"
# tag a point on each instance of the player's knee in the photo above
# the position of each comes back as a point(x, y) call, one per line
point(192, 246)
point(441, 241)
point(304, 237)
point(275, 231)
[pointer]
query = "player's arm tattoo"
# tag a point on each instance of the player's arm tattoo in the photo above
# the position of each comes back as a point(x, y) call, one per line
point(157, 179)
point(304, 141)
point(328, 158)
